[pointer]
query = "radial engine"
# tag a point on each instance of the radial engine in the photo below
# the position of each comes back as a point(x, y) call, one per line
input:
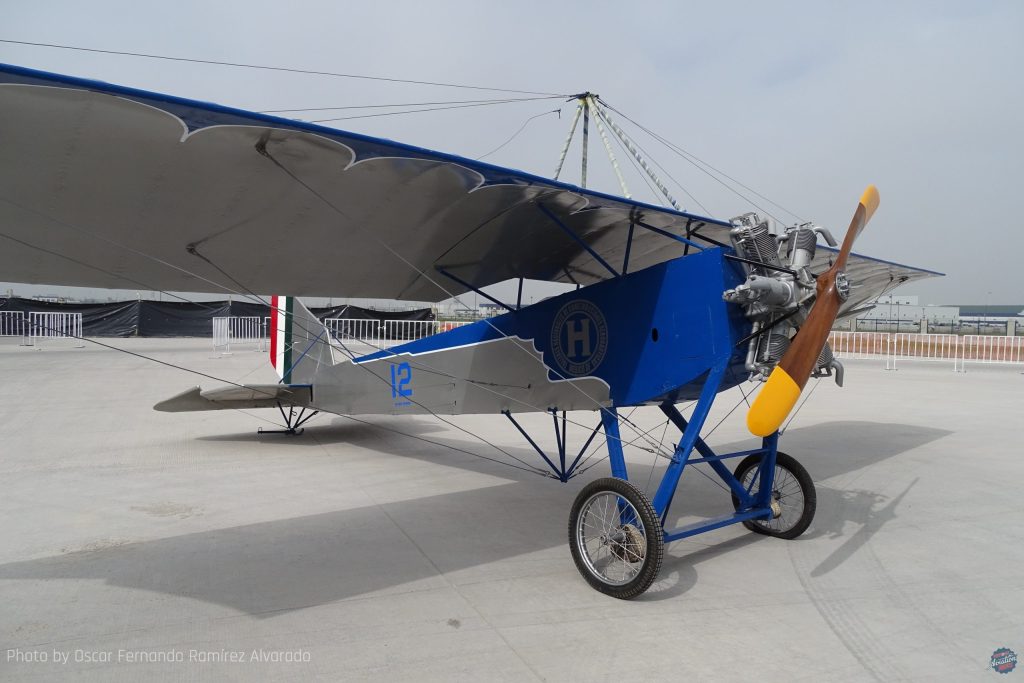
point(779, 290)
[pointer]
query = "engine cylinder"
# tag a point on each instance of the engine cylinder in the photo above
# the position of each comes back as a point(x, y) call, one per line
point(756, 243)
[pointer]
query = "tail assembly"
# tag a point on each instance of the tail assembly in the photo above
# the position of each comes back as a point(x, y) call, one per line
point(299, 342)
point(299, 346)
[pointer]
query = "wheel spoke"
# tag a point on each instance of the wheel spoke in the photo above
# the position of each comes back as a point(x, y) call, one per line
point(787, 494)
point(611, 549)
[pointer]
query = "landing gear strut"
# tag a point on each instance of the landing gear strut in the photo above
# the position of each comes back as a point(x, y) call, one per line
point(292, 420)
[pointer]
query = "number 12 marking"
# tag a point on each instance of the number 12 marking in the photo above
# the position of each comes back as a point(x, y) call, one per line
point(401, 376)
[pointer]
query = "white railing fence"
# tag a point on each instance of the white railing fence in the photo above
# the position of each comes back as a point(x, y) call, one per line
point(991, 350)
point(12, 324)
point(449, 325)
point(386, 333)
point(228, 330)
point(365, 330)
point(906, 346)
point(902, 347)
point(401, 331)
point(46, 325)
point(859, 344)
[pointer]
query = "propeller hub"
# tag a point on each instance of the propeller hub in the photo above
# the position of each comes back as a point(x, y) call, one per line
point(842, 286)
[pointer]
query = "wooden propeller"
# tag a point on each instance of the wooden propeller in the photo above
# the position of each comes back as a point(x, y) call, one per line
point(787, 380)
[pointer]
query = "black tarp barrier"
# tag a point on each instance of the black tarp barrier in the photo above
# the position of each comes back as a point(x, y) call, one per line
point(246, 309)
point(181, 319)
point(389, 331)
point(120, 319)
point(355, 312)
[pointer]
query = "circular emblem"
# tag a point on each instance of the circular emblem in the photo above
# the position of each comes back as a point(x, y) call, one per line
point(1004, 660)
point(579, 338)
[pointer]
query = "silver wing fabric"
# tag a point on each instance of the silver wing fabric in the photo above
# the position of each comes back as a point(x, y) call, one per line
point(106, 186)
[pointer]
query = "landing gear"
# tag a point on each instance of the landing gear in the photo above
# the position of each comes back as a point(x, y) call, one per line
point(293, 421)
point(616, 533)
point(616, 538)
point(793, 498)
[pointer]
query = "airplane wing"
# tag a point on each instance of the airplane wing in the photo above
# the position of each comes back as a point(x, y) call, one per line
point(107, 186)
point(869, 278)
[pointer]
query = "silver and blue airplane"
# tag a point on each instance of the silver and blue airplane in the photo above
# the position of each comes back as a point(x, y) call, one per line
point(107, 186)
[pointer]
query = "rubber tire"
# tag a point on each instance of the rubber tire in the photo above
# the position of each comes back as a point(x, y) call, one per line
point(654, 554)
point(786, 462)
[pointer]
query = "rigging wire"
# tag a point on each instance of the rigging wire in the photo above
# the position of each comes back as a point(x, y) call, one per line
point(193, 249)
point(521, 129)
point(817, 381)
point(654, 461)
point(251, 295)
point(411, 265)
point(526, 467)
point(658, 197)
point(195, 252)
point(703, 166)
point(144, 285)
point(580, 469)
point(420, 111)
point(401, 104)
point(246, 293)
point(265, 67)
point(417, 364)
point(666, 172)
point(448, 422)
point(132, 250)
point(529, 469)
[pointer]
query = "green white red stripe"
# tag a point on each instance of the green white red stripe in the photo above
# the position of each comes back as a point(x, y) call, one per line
point(281, 336)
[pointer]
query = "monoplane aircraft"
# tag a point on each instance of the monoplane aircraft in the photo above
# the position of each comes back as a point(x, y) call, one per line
point(103, 185)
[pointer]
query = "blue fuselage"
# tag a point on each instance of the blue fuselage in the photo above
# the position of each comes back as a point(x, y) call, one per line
point(651, 335)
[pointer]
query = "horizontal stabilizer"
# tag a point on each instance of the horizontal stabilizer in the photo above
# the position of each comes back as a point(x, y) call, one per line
point(232, 397)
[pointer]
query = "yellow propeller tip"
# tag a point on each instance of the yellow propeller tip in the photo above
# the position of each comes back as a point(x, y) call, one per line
point(870, 201)
point(773, 404)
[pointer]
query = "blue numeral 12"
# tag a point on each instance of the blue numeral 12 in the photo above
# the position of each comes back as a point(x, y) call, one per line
point(401, 375)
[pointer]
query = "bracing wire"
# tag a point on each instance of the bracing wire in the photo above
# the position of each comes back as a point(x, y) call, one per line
point(249, 294)
point(430, 109)
point(243, 291)
point(520, 130)
point(704, 167)
point(413, 266)
point(78, 262)
point(400, 104)
point(481, 103)
point(265, 67)
point(796, 412)
point(665, 171)
point(450, 423)
point(657, 197)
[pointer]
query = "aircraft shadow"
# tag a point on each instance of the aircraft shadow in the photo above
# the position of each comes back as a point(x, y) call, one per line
point(272, 567)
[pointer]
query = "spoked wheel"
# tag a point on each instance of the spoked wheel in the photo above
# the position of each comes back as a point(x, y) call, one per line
point(793, 498)
point(616, 538)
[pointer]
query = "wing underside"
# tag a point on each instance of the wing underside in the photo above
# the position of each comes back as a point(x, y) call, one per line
point(105, 186)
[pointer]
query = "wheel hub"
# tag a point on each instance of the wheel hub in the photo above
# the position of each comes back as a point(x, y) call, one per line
point(629, 544)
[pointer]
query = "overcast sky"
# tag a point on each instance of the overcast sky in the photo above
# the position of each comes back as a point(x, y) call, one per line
point(805, 102)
